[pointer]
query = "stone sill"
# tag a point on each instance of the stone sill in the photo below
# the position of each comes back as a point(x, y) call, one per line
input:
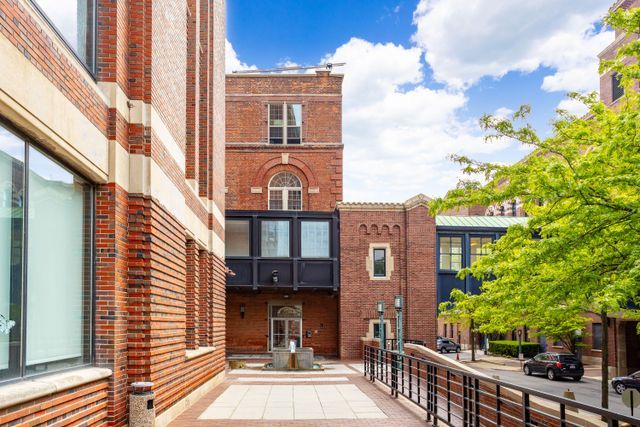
point(31, 389)
point(192, 354)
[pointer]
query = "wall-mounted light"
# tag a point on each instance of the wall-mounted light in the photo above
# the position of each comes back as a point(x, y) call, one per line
point(242, 309)
point(274, 276)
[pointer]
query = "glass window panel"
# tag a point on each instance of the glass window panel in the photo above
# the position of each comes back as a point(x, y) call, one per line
point(294, 200)
point(274, 239)
point(12, 150)
point(294, 114)
point(275, 115)
point(445, 262)
point(58, 273)
point(293, 135)
point(314, 239)
point(275, 135)
point(445, 245)
point(74, 20)
point(456, 245)
point(617, 91)
point(379, 263)
point(456, 262)
point(275, 199)
point(596, 336)
point(237, 238)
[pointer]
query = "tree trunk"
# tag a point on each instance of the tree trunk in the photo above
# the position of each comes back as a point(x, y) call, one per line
point(604, 385)
point(473, 342)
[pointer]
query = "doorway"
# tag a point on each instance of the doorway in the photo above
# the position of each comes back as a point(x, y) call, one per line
point(285, 324)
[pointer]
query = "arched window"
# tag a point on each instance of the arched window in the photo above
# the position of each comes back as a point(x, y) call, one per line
point(285, 192)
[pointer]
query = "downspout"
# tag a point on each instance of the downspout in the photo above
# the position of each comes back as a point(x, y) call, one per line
point(405, 291)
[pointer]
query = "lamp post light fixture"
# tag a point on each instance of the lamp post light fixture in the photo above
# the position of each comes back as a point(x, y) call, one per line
point(398, 302)
point(381, 328)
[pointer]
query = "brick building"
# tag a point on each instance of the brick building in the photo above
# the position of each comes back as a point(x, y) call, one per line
point(112, 207)
point(302, 261)
point(284, 180)
point(387, 249)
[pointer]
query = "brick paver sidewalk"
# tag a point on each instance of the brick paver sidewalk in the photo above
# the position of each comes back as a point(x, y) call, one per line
point(340, 395)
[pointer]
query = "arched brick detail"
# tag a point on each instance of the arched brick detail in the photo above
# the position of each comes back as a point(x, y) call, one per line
point(260, 176)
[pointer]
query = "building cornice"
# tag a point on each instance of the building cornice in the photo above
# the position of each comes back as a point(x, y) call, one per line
point(413, 202)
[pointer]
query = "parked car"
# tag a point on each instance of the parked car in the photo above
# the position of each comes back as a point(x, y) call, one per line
point(620, 384)
point(444, 344)
point(554, 366)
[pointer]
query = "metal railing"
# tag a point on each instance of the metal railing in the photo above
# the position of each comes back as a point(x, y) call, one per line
point(460, 398)
point(392, 343)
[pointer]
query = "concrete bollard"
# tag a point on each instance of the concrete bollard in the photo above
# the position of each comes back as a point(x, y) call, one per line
point(142, 410)
point(570, 395)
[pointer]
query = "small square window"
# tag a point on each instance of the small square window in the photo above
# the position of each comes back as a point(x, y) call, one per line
point(379, 263)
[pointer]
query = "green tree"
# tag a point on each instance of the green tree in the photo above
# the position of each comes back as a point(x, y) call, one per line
point(580, 250)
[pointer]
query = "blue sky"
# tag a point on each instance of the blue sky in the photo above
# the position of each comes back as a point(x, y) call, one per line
point(420, 73)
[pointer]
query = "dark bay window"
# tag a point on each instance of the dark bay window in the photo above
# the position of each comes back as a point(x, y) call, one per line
point(237, 238)
point(74, 20)
point(617, 90)
point(46, 232)
point(478, 248)
point(379, 262)
point(450, 253)
point(314, 239)
point(285, 121)
point(274, 238)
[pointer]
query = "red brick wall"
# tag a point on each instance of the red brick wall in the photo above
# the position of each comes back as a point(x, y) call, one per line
point(250, 335)
point(254, 167)
point(85, 405)
point(411, 236)
point(143, 289)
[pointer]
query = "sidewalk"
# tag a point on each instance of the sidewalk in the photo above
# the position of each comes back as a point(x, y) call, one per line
point(252, 397)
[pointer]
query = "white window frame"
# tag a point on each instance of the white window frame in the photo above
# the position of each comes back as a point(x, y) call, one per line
point(285, 122)
point(285, 194)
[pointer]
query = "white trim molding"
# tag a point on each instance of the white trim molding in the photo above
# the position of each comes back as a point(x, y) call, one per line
point(389, 261)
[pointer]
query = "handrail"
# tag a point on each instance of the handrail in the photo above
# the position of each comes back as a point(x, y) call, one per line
point(446, 393)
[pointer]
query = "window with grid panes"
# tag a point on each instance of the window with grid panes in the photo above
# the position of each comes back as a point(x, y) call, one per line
point(285, 123)
point(285, 192)
point(450, 253)
point(478, 248)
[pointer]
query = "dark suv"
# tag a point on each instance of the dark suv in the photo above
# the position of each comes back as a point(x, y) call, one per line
point(444, 344)
point(555, 365)
point(620, 384)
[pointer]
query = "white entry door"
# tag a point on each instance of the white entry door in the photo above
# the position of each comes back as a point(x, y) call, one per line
point(285, 324)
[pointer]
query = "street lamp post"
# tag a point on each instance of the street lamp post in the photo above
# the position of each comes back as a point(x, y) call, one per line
point(520, 355)
point(398, 306)
point(381, 327)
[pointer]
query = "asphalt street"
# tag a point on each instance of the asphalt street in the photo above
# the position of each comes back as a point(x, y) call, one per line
point(586, 390)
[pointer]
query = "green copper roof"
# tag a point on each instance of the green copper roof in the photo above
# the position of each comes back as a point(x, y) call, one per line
point(479, 221)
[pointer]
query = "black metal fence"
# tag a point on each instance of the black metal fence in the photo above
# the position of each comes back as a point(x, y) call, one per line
point(460, 398)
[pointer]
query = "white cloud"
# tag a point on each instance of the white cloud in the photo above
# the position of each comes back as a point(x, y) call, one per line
point(465, 41)
point(397, 132)
point(503, 113)
point(573, 106)
point(232, 62)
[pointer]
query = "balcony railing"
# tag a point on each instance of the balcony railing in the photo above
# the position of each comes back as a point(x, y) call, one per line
point(460, 398)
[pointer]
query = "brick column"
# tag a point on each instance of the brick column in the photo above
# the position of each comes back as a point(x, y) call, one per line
point(204, 303)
